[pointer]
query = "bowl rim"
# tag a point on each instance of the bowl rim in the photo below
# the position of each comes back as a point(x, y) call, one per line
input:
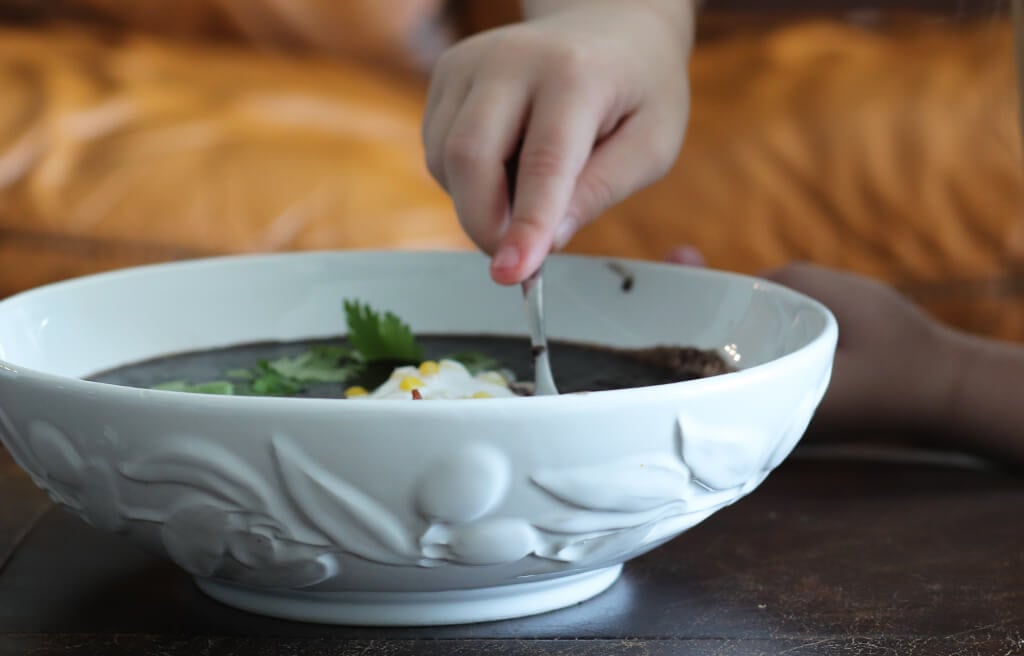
point(287, 405)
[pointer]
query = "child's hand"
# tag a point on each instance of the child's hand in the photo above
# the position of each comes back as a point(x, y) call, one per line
point(596, 93)
point(900, 374)
point(895, 367)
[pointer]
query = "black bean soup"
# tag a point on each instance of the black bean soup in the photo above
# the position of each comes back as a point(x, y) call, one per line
point(578, 367)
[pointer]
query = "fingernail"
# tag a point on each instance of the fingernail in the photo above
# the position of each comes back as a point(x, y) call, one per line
point(563, 233)
point(506, 258)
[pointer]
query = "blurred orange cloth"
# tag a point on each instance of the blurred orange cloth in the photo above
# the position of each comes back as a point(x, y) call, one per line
point(398, 33)
point(189, 150)
point(893, 150)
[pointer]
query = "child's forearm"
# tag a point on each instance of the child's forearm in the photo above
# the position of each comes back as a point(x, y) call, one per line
point(987, 403)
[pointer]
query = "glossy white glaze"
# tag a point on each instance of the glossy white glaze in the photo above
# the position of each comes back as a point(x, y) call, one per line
point(266, 496)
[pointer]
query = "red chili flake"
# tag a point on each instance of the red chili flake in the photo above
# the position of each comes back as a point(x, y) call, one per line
point(416, 396)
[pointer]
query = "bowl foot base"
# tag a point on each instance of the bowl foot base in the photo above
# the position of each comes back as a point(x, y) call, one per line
point(416, 608)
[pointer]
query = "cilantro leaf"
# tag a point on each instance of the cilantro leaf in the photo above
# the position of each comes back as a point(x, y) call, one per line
point(327, 364)
point(212, 387)
point(269, 382)
point(380, 337)
point(334, 351)
point(474, 361)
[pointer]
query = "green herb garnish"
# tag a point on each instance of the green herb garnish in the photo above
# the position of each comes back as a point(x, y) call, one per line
point(320, 364)
point(380, 336)
point(269, 382)
point(212, 387)
point(373, 336)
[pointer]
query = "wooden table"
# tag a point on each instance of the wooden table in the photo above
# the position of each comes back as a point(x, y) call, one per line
point(830, 556)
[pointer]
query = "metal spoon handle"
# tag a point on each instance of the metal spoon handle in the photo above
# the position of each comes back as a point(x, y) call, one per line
point(533, 293)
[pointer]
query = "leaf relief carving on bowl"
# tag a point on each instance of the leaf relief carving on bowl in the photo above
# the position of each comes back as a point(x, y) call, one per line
point(214, 520)
point(246, 547)
point(722, 456)
point(595, 513)
point(634, 484)
point(218, 516)
point(613, 546)
point(87, 486)
point(223, 521)
point(203, 466)
point(17, 445)
point(612, 510)
point(351, 519)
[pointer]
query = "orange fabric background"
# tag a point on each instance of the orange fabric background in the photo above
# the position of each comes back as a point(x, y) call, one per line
point(891, 149)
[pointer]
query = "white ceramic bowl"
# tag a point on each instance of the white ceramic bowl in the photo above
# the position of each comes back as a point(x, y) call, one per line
point(394, 512)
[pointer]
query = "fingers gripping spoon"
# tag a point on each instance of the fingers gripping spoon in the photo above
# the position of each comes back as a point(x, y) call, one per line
point(533, 295)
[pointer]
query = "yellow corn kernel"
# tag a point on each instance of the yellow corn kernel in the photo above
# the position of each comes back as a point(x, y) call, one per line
point(481, 395)
point(429, 368)
point(355, 390)
point(492, 377)
point(410, 383)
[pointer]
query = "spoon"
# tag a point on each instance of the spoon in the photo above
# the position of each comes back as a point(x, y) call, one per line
point(533, 292)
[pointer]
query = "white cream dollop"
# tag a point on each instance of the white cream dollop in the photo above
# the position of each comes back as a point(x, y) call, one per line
point(447, 379)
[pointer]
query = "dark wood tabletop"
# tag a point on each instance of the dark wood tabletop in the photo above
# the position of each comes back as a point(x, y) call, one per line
point(832, 555)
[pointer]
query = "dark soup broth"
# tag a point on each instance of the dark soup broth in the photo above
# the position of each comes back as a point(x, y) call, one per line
point(578, 367)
